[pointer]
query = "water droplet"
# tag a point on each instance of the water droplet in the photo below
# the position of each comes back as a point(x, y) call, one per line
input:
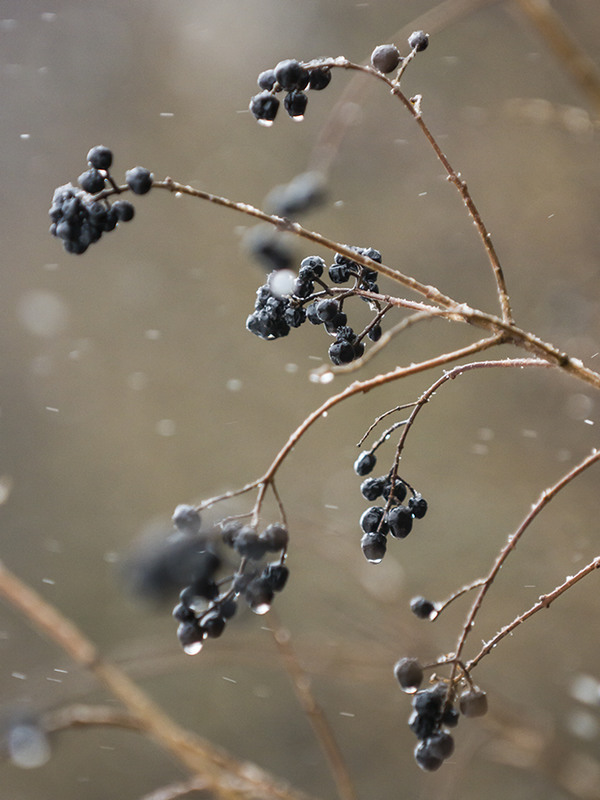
point(193, 649)
point(298, 118)
point(261, 608)
point(375, 560)
point(28, 746)
point(266, 123)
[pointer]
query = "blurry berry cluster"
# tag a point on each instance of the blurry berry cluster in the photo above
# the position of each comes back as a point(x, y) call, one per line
point(281, 304)
point(393, 517)
point(79, 217)
point(207, 603)
point(434, 712)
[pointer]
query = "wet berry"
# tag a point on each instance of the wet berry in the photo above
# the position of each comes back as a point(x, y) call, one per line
point(91, 181)
point(409, 674)
point(418, 506)
point(400, 521)
point(319, 78)
point(100, 157)
point(365, 463)
point(295, 104)
point(267, 79)
point(373, 520)
point(422, 608)
point(264, 107)
point(473, 703)
point(373, 546)
point(290, 75)
point(186, 519)
point(372, 488)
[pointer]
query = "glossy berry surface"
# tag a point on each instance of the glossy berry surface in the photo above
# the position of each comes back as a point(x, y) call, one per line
point(264, 107)
point(290, 75)
point(365, 463)
point(422, 608)
point(409, 674)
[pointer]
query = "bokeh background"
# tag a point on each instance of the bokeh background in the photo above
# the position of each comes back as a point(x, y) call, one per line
point(129, 385)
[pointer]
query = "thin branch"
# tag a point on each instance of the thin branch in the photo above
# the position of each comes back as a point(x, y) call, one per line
point(566, 47)
point(175, 790)
point(227, 778)
point(511, 544)
point(543, 602)
point(314, 714)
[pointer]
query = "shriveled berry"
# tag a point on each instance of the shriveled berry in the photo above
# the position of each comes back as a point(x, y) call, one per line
point(341, 352)
point(430, 701)
point(327, 309)
point(100, 157)
point(373, 546)
point(264, 107)
point(399, 491)
point(139, 180)
point(91, 181)
point(385, 58)
point(290, 75)
point(295, 104)
point(365, 463)
point(319, 78)
point(372, 488)
point(423, 724)
point(409, 674)
point(418, 40)
point(422, 608)
point(473, 702)
point(418, 506)
point(400, 520)
point(314, 264)
point(339, 273)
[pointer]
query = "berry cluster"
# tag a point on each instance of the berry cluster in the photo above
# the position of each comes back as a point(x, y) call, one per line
point(207, 603)
point(434, 712)
point(293, 78)
point(79, 217)
point(393, 517)
point(280, 307)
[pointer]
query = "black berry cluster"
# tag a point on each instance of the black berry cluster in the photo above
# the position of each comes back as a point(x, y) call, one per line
point(79, 216)
point(293, 78)
point(393, 517)
point(207, 604)
point(434, 712)
point(310, 298)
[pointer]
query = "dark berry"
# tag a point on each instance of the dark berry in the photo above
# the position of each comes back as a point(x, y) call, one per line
point(264, 107)
point(294, 316)
point(473, 703)
point(385, 58)
point(430, 701)
point(295, 104)
point(274, 537)
point(182, 613)
point(423, 724)
point(327, 309)
point(312, 315)
point(91, 181)
point(139, 180)
point(409, 674)
point(276, 576)
point(399, 492)
point(303, 288)
point(373, 546)
point(418, 506)
point(373, 520)
point(190, 636)
point(440, 745)
point(365, 463)
point(259, 595)
point(186, 519)
point(422, 608)
point(267, 79)
point(418, 40)
point(372, 488)
point(228, 608)
point(400, 520)
point(339, 273)
point(341, 352)
point(100, 157)
point(425, 758)
point(124, 210)
point(248, 545)
point(213, 624)
point(375, 333)
point(290, 75)
point(315, 264)
point(319, 78)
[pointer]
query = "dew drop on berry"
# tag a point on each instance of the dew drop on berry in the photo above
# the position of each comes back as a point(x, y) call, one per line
point(261, 608)
point(193, 648)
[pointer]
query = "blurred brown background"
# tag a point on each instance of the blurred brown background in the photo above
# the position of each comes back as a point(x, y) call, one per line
point(130, 385)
